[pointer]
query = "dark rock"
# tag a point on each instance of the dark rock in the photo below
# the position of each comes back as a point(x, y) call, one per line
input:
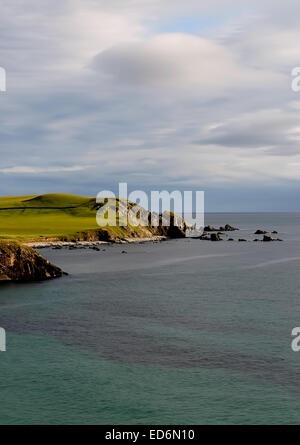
point(260, 232)
point(205, 238)
point(210, 229)
point(215, 237)
point(275, 232)
point(94, 248)
point(175, 232)
point(168, 224)
point(268, 238)
point(241, 240)
point(229, 228)
point(230, 239)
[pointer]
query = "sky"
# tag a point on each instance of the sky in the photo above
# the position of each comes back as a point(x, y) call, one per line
point(161, 94)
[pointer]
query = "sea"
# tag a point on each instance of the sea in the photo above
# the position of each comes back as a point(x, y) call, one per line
point(180, 332)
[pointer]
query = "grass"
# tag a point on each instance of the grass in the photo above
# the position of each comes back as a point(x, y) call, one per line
point(55, 216)
point(10, 246)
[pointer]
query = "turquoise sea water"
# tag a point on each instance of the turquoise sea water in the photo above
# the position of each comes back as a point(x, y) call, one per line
point(179, 332)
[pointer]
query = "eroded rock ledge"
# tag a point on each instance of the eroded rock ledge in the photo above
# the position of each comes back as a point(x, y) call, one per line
point(23, 263)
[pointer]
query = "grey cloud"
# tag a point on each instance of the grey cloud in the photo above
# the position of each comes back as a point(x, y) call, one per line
point(270, 129)
point(182, 61)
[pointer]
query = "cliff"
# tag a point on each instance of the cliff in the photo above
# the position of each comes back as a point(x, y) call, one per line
point(171, 226)
point(22, 263)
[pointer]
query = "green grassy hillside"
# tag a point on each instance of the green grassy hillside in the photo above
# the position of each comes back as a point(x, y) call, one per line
point(50, 200)
point(45, 216)
point(57, 216)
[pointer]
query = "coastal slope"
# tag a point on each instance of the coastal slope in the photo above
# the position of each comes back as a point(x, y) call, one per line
point(22, 263)
point(60, 217)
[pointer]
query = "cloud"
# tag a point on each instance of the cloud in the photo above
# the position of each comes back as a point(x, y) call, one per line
point(39, 170)
point(181, 61)
point(271, 129)
point(109, 93)
point(48, 44)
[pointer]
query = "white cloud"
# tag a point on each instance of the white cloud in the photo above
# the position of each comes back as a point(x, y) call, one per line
point(38, 170)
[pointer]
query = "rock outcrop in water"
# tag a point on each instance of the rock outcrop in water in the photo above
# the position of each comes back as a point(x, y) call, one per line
point(215, 237)
point(226, 228)
point(22, 263)
point(269, 238)
point(210, 229)
point(229, 228)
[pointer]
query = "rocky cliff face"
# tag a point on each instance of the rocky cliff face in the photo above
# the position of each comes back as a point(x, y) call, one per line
point(166, 225)
point(22, 263)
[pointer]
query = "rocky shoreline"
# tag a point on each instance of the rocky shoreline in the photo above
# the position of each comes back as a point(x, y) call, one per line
point(210, 233)
point(88, 244)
